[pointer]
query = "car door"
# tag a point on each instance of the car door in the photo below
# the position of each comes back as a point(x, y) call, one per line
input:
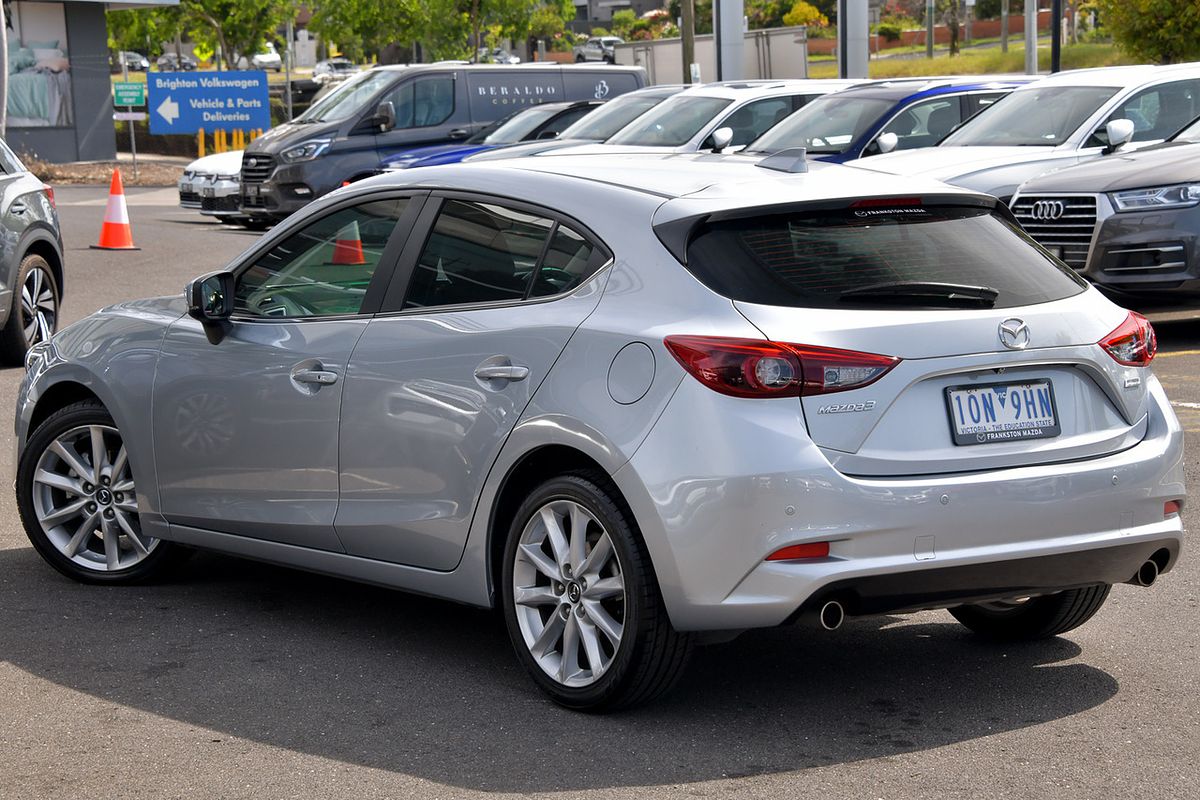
point(428, 111)
point(478, 312)
point(246, 429)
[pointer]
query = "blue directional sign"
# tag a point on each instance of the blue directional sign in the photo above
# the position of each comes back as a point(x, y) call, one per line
point(185, 102)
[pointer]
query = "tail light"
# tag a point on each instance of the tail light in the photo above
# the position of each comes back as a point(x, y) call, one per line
point(1172, 507)
point(1133, 343)
point(49, 191)
point(796, 552)
point(758, 368)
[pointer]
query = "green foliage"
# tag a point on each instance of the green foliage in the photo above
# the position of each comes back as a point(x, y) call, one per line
point(597, 31)
point(144, 30)
point(623, 22)
point(803, 13)
point(546, 22)
point(889, 31)
point(237, 27)
point(1163, 31)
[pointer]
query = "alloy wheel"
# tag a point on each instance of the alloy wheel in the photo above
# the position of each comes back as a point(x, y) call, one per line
point(569, 593)
point(85, 500)
point(39, 306)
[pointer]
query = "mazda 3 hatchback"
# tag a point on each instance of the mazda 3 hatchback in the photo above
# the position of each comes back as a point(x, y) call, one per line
point(669, 399)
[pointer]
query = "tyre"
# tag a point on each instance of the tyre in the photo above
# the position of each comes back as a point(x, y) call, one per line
point(581, 602)
point(1034, 617)
point(77, 499)
point(33, 316)
point(579, 59)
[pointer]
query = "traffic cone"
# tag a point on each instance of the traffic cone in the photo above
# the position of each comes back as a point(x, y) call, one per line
point(115, 233)
point(347, 248)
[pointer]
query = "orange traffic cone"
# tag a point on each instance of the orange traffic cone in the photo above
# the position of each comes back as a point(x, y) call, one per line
point(347, 248)
point(115, 233)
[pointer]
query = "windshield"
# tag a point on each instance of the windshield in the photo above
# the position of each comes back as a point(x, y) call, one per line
point(1030, 117)
point(867, 258)
point(611, 117)
point(672, 123)
point(520, 125)
point(349, 98)
point(827, 125)
point(1189, 134)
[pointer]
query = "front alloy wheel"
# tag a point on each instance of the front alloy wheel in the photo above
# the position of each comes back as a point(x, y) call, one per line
point(581, 601)
point(78, 501)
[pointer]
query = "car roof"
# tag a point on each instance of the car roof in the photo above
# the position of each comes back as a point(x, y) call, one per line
point(902, 89)
point(739, 90)
point(1121, 76)
point(717, 181)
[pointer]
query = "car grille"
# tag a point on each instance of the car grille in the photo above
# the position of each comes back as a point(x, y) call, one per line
point(1062, 224)
point(250, 201)
point(227, 203)
point(258, 172)
point(189, 197)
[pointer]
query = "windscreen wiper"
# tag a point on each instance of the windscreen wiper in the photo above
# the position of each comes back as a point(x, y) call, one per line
point(928, 291)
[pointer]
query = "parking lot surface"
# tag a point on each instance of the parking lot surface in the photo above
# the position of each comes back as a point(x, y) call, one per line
point(238, 679)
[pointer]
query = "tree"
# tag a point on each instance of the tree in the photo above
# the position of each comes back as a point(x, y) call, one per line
point(1163, 31)
point(144, 30)
point(803, 13)
point(238, 27)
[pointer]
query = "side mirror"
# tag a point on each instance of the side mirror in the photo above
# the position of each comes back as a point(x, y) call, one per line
point(721, 138)
point(385, 116)
point(887, 142)
point(1120, 132)
point(210, 300)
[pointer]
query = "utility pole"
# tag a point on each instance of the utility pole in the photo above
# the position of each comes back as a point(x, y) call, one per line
point(687, 32)
point(930, 14)
point(1031, 59)
point(727, 25)
point(852, 25)
point(1003, 26)
point(287, 70)
point(1056, 14)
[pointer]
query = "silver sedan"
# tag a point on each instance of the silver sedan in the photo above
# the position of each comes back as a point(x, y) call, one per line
point(663, 401)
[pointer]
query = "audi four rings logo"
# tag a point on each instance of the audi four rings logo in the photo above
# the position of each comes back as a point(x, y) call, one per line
point(1048, 210)
point(1014, 334)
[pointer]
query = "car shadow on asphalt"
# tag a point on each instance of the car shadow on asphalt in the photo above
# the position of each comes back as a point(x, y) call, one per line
point(430, 689)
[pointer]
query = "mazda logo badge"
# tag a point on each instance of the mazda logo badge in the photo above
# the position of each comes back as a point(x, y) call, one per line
point(1014, 334)
point(1048, 210)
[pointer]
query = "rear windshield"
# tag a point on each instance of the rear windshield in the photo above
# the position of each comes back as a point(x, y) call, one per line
point(879, 257)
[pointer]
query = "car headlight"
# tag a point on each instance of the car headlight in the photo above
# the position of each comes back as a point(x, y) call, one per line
point(229, 177)
point(306, 151)
point(1181, 196)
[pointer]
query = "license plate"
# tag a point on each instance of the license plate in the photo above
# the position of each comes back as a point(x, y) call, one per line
point(251, 189)
point(1002, 412)
point(208, 191)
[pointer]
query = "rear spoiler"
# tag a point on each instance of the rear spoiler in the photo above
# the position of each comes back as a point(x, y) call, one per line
point(677, 234)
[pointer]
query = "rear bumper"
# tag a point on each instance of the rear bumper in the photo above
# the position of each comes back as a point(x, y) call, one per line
point(753, 483)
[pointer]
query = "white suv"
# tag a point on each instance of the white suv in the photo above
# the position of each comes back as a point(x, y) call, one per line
point(1058, 121)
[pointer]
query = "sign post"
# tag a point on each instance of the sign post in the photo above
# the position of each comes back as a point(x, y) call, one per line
point(186, 102)
point(130, 94)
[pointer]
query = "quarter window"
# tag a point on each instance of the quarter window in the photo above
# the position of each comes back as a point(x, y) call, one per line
point(323, 269)
point(569, 260)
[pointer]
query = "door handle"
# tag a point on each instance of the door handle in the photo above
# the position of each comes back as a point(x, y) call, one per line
point(322, 377)
point(18, 207)
point(501, 372)
point(458, 133)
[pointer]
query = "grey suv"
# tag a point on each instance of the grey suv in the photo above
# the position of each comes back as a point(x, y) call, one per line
point(31, 260)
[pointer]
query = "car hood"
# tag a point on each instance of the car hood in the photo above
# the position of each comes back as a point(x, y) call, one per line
point(948, 163)
point(1159, 165)
point(227, 163)
point(409, 157)
point(288, 135)
point(528, 148)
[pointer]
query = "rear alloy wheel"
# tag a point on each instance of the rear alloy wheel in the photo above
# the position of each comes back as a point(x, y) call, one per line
point(581, 603)
point(1033, 617)
point(33, 317)
point(78, 500)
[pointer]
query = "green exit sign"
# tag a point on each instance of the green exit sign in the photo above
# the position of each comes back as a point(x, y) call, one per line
point(129, 94)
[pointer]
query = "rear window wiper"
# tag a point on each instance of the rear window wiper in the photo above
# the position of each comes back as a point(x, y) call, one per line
point(929, 291)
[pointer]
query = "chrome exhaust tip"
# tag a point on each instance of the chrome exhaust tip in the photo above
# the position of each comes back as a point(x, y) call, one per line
point(832, 615)
point(1147, 573)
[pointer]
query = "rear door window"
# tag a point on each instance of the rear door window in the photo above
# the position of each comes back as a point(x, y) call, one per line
point(874, 255)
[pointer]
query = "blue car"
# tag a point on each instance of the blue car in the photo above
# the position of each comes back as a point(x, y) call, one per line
point(544, 121)
point(881, 117)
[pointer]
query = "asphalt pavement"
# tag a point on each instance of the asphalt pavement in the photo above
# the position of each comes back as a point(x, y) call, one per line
point(239, 680)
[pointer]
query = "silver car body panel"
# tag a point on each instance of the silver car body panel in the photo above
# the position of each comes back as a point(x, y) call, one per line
point(715, 483)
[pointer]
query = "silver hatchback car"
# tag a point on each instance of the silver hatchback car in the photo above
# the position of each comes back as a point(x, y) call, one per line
point(650, 401)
